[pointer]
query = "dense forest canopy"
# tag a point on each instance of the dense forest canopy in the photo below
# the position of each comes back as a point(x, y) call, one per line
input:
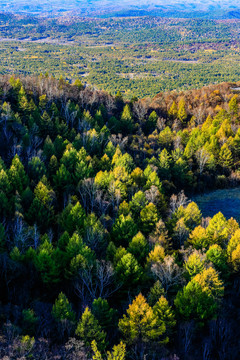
point(139, 56)
point(103, 255)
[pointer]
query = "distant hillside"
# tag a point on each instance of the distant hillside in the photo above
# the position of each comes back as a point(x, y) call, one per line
point(174, 8)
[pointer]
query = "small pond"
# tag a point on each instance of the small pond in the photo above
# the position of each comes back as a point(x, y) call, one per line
point(227, 201)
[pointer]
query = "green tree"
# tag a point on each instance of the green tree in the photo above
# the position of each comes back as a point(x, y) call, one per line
point(138, 247)
point(141, 325)
point(30, 321)
point(5, 189)
point(64, 316)
point(22, 100)
point(62, 309)
point(182, 114)
point(192, 215)
point(165, 138)
point(46, 265)
point(216, 230)
point(124, 229)
point(73, 219)
point(164, 164)
point(36, 169)
point(199, 238)
point(194, 264)
point(88, 329)
point(127, 120)
point(225, 157)
point(149, 218)
point(41, 210)
point(48, 148)
point(165, 315)
point(137, 203)
point(155, 293)
point(118, 352)
point(105, 315)
point(194, 303)
point(17, 175)
point(151, 122)
point(233, 105)
point(128, 270)
point(218, 257)
point(173, 111)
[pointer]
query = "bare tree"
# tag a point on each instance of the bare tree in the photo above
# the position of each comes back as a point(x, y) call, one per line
point(21, 233)
point(199, 114)
point(181, 232)
point(96, 281)
point(102, 203)
point(202, 156)
point(152, 195)
point(69, 115)
point(161, 123)
point(84, 97)
point(139, 110)
point(177, 142)
point(87, 190)
point(119, 140)
point(168, 272)
point(206, 354)
point(95, 238)
point(110, 104)
point(221, 335)
point(186, 332)
point(178, 200)
point(36, 237)
point(115, 195)
point(75, 350)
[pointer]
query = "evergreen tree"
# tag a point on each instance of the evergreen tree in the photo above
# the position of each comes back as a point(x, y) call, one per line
point(62, 309)
point(173, 111)
point(182, 114)
point(127, 120)
point(88, 329)
point(105, 315)
point(141, 324)
point(17, 175)
point(225, 157)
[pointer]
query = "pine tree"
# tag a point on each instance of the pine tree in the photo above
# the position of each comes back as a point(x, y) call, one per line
point(141, 324)
point(127, 120)
point(88, 329)
point(233, 105)
point(182, 114)
point(165, 315)
point(17, 175)
point(155, 293)
point(105, 315)
point(225, 157)
point(194, 265)
point(149, 218)
point(193, 303)
point(138, 247)
point(62, 309)
point(173, 111)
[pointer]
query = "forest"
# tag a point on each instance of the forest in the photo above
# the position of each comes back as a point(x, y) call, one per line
point(103, 255)
point(139, 56)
